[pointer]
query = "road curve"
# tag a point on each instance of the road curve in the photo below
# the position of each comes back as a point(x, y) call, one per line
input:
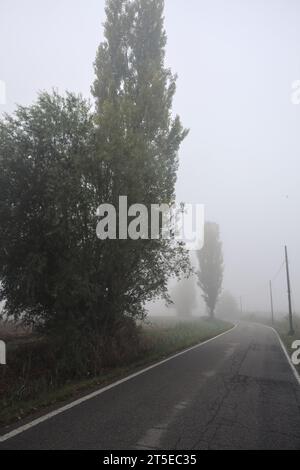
point(235, 392)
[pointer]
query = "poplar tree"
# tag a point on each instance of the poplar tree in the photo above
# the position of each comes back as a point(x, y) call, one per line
point(211, 267)
point(138, 142)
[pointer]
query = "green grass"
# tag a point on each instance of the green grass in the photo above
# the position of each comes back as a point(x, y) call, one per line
point(162, 337)
point(167, 336)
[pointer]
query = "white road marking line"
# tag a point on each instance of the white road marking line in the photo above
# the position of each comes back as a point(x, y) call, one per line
point(71, 405)
point(295, 372)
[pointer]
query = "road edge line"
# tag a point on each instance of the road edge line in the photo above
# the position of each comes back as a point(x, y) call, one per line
point(295, 372)
point(73, 404)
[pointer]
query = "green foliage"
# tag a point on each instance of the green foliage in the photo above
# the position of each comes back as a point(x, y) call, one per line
point(45, 208)
point(211, 266)
point(138, 142)
point(134, 93)
point(59, 161)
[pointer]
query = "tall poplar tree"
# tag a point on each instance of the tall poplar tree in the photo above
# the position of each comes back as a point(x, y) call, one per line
point(138, 143)
point(211, 267)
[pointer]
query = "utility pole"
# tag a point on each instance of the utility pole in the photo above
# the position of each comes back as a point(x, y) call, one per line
point(292, 331)
point(272, 305)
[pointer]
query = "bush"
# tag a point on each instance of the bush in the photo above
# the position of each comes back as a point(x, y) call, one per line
point(42, 363)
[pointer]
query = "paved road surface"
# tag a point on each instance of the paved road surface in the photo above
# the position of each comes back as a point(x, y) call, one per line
point(236, 392)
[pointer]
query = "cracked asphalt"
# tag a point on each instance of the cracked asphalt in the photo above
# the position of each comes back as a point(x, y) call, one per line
point(235, 392)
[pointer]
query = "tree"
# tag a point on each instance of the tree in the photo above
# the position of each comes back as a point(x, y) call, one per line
point(184, 297)
point(211, 268)
point(138, 142)
point(228, 306)
point(45, 208)
point(59, 162)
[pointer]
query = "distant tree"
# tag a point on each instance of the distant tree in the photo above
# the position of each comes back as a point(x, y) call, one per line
point(184, 297)
point(227, 306)
point(211, 268)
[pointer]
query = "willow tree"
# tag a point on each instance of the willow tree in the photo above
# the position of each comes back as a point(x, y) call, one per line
point(45, 206)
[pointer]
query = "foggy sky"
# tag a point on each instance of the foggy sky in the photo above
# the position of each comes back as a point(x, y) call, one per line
point(236, 61)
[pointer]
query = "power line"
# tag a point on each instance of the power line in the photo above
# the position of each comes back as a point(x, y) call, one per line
point(292, 331)
point(265, 285)
point(279, 271)
point(293, 302)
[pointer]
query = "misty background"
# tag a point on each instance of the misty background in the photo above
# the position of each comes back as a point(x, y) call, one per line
point(236, 62)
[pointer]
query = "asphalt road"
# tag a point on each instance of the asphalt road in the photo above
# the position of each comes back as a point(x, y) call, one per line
point(235, 392)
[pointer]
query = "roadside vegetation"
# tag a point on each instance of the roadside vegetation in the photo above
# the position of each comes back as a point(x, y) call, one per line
point(80, 300)
point(60, 159)
point(167, 335)
point(31, 382)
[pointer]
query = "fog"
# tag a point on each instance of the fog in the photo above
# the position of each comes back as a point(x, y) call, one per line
point(236, 61)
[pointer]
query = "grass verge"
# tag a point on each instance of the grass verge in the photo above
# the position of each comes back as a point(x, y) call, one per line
point(162, 337)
